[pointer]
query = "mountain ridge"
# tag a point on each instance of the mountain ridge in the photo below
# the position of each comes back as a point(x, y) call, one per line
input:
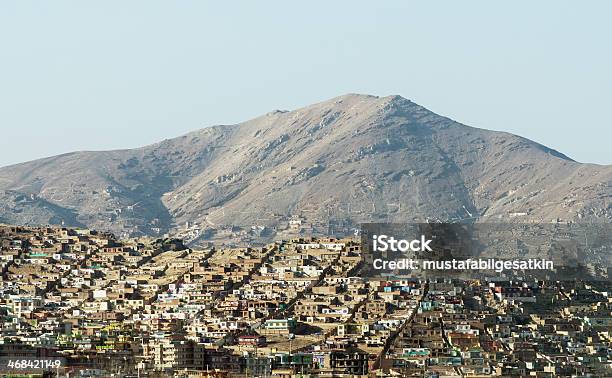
point(349, 159)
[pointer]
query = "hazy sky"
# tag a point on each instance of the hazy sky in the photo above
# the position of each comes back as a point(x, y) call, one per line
point(79, 75)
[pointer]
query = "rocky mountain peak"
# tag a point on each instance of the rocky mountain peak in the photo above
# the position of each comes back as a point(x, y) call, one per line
point(353, 158)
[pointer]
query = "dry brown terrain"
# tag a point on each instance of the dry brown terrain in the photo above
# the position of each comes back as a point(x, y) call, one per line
point(353, 158)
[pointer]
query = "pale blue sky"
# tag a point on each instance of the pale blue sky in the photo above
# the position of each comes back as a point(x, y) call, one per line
point(84, 75)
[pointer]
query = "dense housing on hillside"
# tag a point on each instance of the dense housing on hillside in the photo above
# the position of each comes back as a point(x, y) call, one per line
point(292, 308)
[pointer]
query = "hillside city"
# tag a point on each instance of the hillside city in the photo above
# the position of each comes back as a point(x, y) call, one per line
point(293, 308)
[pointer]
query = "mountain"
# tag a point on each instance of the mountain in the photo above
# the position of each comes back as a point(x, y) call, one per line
point(353, 158)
